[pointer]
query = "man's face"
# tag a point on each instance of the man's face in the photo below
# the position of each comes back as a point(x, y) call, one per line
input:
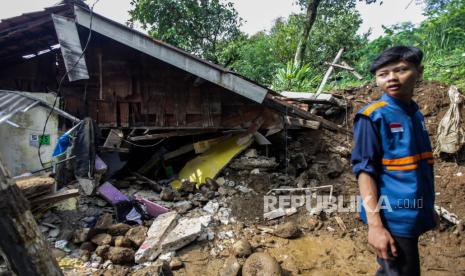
point(398, 79)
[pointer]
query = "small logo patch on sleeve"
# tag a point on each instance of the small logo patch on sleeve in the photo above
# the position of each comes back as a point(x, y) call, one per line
point(396, 127)
point(424, 126)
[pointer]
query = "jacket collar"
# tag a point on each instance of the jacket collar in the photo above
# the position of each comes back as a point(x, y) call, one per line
point(409, 108)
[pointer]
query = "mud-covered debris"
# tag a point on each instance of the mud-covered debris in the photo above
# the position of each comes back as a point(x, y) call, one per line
point(167, 194)
point(298, 161)
point(102, 250)
point(261, 264)
point(102, 239)
point(121, 255)
point(231, 267)
point(183, 207)
point(104, 221)
point(81, 235)
point(287, 230)
point(335, 167)
point(187, 187)
point(122, 241)
point(176, 263)
point(242, 248)
point(158, 268)
point(118, 229)
point(88, 246)
point(263, 163)
point(116, 271)
point(137, 235)
point(211, 184)
point(280, 212)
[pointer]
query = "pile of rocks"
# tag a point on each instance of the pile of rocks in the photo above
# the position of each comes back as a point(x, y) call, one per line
point(107, 241)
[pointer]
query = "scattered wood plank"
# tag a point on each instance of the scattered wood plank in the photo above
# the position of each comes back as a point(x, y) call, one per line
point(171, 134)
point(54, 197)
point(35, 186)
point(153, 184)
point(291, 121)
point(288, 109)
point(341, 223)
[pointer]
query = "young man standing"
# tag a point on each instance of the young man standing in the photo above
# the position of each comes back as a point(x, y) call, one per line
point(393, 162)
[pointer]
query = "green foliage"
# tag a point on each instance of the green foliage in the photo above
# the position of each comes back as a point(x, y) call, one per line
point(263, 54)
point(200, 27)
point(441, 37)
point(292, 78)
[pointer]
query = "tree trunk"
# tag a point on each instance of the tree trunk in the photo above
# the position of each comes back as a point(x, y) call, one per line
point(22, 244)
point(312, 7)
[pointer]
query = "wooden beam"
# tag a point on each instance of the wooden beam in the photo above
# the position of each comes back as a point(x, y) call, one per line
point(328, 73)
point(288, 109)
point(302, 122)
point(55, 197)
point(357, 75)
point(170, 134)
point(340, 66)
point(25, 249)
point(35, 186)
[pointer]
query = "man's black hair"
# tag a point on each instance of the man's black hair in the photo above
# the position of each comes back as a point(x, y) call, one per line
point(397, 53)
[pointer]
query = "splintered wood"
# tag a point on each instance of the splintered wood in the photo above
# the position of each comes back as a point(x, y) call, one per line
point(35, 186)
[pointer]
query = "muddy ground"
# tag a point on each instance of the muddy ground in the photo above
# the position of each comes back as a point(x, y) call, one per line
point(324, 246)
point(326, 249)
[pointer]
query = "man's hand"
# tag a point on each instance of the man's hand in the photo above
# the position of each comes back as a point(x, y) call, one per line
point(382, 241)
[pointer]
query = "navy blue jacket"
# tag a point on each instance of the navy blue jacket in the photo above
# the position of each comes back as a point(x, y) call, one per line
point(391, 144)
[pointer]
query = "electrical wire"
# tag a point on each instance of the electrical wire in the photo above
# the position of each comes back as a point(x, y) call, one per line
point(144, 146)
point(64, 77)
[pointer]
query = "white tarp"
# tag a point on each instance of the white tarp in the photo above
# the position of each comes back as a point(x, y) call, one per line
point(450, 134)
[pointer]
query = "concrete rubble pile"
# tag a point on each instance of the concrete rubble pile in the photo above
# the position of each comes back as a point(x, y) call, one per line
point(91, 231)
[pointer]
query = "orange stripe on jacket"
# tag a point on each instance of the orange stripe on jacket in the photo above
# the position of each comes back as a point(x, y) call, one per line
point(402, 168)
point(373, 107)
point(408, 159)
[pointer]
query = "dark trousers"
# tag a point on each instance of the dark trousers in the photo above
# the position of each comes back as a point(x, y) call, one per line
point(407, 261)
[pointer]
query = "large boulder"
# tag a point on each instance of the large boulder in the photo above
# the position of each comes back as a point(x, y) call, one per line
point(261, 264)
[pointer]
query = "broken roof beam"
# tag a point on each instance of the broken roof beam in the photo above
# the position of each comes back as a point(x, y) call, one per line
point(171, 134)
point(288, 109)
point(291, 121)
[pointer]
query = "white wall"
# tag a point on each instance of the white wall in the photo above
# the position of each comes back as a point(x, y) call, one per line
point(18, 156)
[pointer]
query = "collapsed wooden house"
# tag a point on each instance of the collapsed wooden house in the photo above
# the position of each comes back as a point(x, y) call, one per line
point(124, 78)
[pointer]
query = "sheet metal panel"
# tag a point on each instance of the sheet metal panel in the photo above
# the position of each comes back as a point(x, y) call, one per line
point(70, 45)
point(13, 103)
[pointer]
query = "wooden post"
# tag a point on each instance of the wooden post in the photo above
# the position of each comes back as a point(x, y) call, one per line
point(328, 73)
point(22, 244)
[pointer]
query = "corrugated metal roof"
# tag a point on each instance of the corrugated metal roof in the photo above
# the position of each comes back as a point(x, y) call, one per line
point(12, 103)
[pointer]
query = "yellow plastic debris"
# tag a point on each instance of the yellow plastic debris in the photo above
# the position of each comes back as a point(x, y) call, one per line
point(210, 163)
point(67, 205)
point(67, 263)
